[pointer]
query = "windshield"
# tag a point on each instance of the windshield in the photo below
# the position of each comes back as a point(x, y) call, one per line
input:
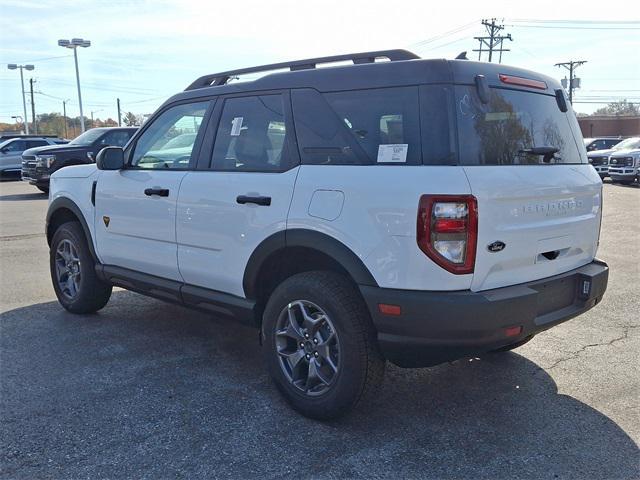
point(515, 128)
point(87, 138)
point(628, 144)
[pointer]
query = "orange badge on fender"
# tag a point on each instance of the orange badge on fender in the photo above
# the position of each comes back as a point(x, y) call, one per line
point(106, 220)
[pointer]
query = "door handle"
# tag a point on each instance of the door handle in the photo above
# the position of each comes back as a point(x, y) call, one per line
point(258, 200)
point(161, 192)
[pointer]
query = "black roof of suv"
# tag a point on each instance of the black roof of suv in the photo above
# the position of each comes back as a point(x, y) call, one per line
point(403, 68)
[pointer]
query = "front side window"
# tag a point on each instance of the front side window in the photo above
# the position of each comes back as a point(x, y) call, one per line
point(515, 128)
point(252, 135)
point(15, 146)
point(155, 149)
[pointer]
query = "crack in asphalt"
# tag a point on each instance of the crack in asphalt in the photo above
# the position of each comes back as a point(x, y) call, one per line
point(576, 354)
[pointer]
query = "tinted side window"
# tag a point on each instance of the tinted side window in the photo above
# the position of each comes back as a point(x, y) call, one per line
point(322, 137)
point(116, 138)
point(385, 122)
point(36, 143)
point(252, 135)
point(154, 148)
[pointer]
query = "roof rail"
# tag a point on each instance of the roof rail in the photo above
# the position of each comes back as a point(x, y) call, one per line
point(222, 78)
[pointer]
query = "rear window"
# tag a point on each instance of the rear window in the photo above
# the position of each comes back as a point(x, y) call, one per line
point(515, 128)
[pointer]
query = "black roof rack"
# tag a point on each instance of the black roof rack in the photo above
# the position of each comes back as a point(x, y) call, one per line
point(222, 78)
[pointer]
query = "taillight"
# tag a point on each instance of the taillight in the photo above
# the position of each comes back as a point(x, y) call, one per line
point(448, 231)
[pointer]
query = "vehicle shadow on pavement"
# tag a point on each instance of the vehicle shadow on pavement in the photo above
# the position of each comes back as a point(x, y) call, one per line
point(149, 389)
point(23, 197)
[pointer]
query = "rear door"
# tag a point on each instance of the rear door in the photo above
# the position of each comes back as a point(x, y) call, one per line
point(226, 209)
point(538, 212)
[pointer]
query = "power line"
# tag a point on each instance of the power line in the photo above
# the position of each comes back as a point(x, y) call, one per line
point(573, 28)
point(444, 35)
point(602, 22)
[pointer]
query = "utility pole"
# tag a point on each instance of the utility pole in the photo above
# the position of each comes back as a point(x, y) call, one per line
point(119, 114)
point(493, 42)
point(64, 116)
point(574, 82)
point(33, 108)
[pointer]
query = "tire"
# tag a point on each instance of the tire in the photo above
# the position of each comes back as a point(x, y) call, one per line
point(71, 260)
point(353, 349)
point(44, 190)
point(513, 346)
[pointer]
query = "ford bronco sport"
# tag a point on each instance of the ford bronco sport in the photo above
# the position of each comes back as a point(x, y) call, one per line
point(410, 210)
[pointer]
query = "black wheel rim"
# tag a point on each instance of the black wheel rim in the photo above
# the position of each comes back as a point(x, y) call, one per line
point(308, 347)
point(67, 266)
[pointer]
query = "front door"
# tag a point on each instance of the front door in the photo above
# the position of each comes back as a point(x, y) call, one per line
point(225, 212)
point(136, 206)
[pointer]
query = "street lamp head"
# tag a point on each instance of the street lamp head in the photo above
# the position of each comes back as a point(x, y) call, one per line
point(12, 66)
point(86, 43)
point(64, 43)
point(29, 67)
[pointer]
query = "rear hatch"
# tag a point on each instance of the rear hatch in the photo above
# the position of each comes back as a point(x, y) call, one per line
point(539, 201)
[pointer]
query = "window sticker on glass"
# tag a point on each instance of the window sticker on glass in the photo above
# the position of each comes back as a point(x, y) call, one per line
point(236, 126)
point(393, 153)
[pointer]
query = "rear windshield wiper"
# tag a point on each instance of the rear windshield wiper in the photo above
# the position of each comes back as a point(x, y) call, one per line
point(547, 153)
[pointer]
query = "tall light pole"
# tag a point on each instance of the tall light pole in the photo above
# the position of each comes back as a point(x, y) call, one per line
point(95, 111)
point(13, 66)
point(74, 43)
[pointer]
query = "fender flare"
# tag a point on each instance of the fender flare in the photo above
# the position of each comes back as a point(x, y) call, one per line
point(65, 203)
point(311, 239)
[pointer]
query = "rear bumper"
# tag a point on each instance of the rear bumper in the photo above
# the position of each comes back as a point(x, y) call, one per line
point(436, 327)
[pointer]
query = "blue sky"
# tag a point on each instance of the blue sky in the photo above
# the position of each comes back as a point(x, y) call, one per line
point(144, 51)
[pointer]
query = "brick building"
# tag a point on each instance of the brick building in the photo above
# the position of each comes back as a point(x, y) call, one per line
point(604, 126)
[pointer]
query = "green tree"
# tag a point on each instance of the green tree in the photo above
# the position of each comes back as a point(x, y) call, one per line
point(131, 119)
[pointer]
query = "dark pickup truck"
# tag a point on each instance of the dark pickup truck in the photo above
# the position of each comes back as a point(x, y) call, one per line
point(39, 163)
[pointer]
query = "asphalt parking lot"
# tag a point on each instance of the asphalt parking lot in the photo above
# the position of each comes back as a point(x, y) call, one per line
point(149, 390)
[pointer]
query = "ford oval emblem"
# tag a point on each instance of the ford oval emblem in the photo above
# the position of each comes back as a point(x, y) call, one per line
point(496, 246)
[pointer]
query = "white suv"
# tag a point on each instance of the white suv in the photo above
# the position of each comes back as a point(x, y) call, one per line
point(411, 210)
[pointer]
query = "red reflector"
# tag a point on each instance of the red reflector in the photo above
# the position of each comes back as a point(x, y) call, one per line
point(524, 82)
point(450, 225)
point(387, 309)
point(512, 331)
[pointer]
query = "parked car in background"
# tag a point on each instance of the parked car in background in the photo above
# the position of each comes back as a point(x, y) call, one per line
point(7, 136)
point(601, 143)
point(600, 158)
point(39, 163)
point(624, 166)
point(11, 150)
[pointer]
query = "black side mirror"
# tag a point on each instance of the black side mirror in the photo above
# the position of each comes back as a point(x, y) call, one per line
point(110, 158)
